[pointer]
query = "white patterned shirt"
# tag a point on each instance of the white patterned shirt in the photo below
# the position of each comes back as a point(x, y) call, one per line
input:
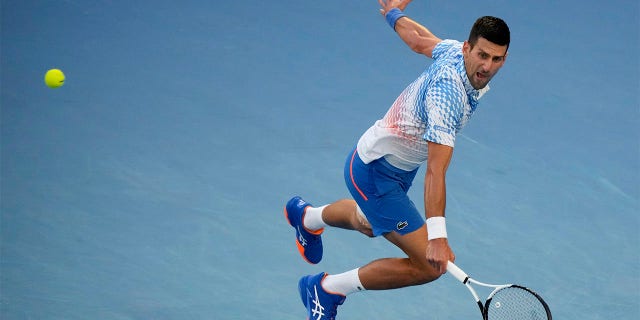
point(433, 108)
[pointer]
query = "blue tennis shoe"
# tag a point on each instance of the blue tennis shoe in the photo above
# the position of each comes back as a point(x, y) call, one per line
point(321, 305)
point(309, 242)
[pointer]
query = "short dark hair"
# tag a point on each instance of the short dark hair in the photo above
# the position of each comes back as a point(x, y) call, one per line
point(491, 28)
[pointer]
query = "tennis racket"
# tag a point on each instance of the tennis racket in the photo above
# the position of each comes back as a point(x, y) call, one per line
point(506, 301)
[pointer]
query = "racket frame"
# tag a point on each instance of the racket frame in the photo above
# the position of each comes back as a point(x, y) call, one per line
point(463, 277)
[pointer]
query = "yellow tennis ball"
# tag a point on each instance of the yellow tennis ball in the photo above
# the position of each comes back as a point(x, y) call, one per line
point(54, 78)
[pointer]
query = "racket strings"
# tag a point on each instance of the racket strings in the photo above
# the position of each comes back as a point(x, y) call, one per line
point(515, 303)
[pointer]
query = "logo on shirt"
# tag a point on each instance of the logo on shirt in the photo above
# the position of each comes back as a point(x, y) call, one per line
point(402, 224)
point(443, 129)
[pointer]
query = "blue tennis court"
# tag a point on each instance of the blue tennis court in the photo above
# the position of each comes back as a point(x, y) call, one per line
point(151, 185)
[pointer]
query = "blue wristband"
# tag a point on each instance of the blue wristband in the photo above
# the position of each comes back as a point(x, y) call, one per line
point(392, 17)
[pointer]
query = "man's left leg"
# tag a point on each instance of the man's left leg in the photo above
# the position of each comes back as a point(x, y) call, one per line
point(345, 214)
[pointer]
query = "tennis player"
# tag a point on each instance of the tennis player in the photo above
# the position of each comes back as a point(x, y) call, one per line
point(421, 126)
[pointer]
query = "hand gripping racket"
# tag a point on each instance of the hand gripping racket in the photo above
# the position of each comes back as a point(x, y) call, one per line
point(506, 301)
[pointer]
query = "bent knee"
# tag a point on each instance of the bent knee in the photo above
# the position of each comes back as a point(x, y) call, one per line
point(425, 273)
point(365, 228)
point(361, 223)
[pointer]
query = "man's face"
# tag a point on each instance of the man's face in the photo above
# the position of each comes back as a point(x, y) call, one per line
point(483, 61)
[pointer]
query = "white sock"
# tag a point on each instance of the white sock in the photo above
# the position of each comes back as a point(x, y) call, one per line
point(313, 218)
point(343, 283)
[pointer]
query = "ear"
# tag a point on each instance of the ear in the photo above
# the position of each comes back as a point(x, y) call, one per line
point(466, 47)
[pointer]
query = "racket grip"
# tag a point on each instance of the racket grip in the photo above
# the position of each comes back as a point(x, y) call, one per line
point(457, 272)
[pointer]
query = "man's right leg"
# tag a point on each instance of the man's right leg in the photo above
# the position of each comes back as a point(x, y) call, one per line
point(392, 273)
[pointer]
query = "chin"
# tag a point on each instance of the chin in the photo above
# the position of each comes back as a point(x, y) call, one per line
point(480, 84)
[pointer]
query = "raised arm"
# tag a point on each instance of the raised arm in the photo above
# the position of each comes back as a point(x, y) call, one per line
point(415, 35)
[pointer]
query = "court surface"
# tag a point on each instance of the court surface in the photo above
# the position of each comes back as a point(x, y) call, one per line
point(151, 185)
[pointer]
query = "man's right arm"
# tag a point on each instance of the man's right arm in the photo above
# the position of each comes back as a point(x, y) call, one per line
point(415, 35)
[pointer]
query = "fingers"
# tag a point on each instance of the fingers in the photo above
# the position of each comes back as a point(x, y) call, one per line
point(403, 4)
point(390, 4)
point(439, 254)
point(440, 265)
point(383, 4)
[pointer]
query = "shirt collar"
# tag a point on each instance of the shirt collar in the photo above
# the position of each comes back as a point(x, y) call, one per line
point(470, 90)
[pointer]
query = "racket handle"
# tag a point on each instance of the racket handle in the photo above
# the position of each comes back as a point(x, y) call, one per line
point(457, 272)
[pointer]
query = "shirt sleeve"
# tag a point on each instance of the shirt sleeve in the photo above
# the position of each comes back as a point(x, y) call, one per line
point(445, 105)
point(444, 49)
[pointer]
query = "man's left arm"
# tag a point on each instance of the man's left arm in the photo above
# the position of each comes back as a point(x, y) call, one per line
point(435, 195)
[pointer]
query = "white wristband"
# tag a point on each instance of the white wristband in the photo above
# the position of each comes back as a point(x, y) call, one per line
point(436, 228)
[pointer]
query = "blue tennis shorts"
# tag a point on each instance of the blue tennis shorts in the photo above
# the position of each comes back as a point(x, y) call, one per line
point(380, 190)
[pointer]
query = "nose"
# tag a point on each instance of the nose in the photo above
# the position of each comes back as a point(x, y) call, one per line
point(485, 66)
